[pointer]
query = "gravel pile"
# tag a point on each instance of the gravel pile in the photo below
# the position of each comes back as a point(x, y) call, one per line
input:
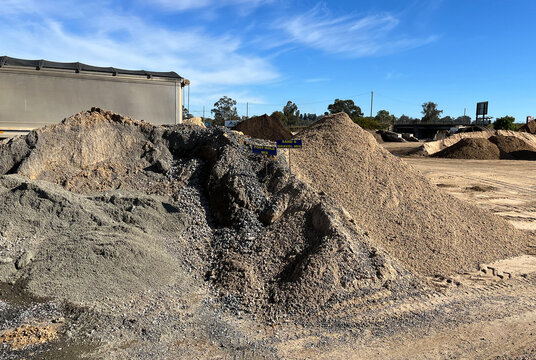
point(159, 229)
point(177, 241)
point(264, 127)
point(428, 231)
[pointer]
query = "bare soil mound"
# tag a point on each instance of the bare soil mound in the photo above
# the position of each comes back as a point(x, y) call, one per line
point(514, 148)
point(529, 127)
point(471, 148)
point(427, 230)
point(432, 147)
point(264, 127)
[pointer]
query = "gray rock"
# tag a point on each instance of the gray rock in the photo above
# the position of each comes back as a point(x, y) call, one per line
point(6, 260)
point(25, 259)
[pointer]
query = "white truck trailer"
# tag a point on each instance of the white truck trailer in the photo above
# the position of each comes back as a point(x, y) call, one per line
point(34, 93)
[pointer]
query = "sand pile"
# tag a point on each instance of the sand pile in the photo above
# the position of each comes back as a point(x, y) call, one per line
point(196, 120)
point(264, 127)
point(427, 230)
point(493, 148)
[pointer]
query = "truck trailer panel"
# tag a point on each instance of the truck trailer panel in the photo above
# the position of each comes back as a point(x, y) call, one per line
point(31, 98)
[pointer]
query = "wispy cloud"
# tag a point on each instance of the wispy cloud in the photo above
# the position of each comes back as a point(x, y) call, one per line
point(128, 41)
point(348, 35)
point(185, 5)
point(316, 80)
point(394, 75)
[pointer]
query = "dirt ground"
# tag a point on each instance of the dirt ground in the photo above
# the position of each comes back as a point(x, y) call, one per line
point(506, 187)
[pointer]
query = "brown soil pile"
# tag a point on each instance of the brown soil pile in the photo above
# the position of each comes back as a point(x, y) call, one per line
point(429, 231)
point(264, 127)
point(471, 148)
point(530, 127)
point(514, 148)
point(493, 148)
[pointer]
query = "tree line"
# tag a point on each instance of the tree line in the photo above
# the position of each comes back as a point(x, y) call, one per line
point(290, 115)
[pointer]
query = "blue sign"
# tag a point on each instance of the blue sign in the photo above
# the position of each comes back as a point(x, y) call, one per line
point(264, 150)
point(289, 144)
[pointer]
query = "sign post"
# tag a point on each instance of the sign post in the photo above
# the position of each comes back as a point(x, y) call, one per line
point(264, 150)
point(481, 109)
point(289, 144)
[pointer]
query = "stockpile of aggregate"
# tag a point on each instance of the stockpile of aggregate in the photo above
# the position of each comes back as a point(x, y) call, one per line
point(514, 148)
point(162, 227)
point(471, 148)
point(492, 148)
point(529, 127)
point(428, 231)
point(264, 127)
point(432, 147)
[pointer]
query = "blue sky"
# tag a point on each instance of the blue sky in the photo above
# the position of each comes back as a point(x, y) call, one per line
point(265, 52)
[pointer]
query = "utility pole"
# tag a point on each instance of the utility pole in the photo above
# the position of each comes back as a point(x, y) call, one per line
point(247, 110)
point(371, 101)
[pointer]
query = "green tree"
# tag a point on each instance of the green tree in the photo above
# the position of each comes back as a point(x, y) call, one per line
point(383, 117)
point(279, 116)
point(347, 106)
point(291, 113)
point(430, 112)
point(224, 109)
point(367, 122)
point(504, 123)
point(466, 120)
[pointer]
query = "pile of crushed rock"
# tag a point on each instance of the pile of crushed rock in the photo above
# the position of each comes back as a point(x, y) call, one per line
point(136, 222)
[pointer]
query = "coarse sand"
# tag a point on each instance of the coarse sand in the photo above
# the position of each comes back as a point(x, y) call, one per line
point(429, 231)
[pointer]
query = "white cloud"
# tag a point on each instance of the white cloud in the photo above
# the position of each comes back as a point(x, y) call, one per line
point(184, 5)
point(128, 41)
point(317, 80)
point(347, 35)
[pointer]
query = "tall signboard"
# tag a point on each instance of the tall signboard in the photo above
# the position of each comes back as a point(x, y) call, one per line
point(481, 112)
